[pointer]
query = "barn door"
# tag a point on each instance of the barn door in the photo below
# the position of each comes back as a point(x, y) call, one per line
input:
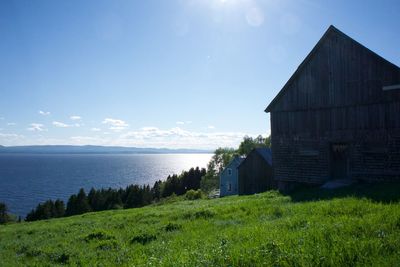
point(339, 161)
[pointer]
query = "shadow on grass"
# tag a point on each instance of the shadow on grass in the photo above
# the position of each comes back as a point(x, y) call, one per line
point(379, 192)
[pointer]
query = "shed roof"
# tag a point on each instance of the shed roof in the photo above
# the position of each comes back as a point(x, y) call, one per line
point(265, 153)
point(239, 159)
point(236, 161)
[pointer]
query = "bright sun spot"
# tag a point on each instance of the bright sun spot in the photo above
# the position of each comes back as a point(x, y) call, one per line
point(250, 11)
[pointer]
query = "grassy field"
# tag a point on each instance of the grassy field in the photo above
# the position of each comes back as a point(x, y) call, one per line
point(359, 226)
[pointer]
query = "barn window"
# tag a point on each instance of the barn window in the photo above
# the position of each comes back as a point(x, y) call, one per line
point(229, 171)
point(229, 187)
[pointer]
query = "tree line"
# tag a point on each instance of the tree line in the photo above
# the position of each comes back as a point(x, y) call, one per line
point(132, 196)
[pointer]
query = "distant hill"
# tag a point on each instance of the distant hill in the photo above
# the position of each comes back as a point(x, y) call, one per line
point(66, 149)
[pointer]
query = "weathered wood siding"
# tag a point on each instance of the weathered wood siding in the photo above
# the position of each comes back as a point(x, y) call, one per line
point(337, 97)
point(340, 73)
point(255, 175)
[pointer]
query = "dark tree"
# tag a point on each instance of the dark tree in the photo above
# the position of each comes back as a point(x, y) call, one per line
point(47, 210)
point(59, 209)
point(249, 143)
point(171, 186)
point(71, 206)
point(82, 204)
point(134, 197)
point(156, 190)
point(147, 196)
point(113, 200)
point(4, 217)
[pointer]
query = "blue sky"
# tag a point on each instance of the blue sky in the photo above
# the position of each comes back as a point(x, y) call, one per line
point(177, 73)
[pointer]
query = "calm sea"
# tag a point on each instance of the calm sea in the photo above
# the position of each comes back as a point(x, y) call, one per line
point(27, 179)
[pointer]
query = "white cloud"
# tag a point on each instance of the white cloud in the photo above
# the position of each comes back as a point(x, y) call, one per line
point(183, 122)
point(60, 124)
point(180, 122)
point(9, 139)
point(117, 128)
point(36, 127)
point(149, 136)
point(44, 113)
point(155, 137)
point(179, 138)
point(211, 127)
point(75, 118)
point(115, 122)
point(149, 129)
point(115, 125)
point(65, 125)
point(12, 135)
point(11, 124)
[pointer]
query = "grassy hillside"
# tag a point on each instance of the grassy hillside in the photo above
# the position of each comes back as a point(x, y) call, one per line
point(265, 229)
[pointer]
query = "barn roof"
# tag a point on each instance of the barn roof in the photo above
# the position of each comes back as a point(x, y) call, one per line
point(324, 37)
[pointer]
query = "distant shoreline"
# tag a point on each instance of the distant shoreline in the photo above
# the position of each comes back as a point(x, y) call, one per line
point(101, 153)
point(65, 149)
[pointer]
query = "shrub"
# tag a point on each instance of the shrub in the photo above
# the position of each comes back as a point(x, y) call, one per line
point(194, 194)
point(99, 235)
point(201, 214)
point(170, 227)
point(107, 245)
point(143, 238)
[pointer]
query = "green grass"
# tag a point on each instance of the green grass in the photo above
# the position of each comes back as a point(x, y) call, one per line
point(347, 227)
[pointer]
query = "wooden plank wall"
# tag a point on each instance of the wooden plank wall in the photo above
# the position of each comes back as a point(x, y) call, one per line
point(319, 122)
point(338, 97)
point(255, 175)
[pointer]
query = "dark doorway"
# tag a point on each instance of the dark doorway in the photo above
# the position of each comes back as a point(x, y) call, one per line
point(339, 161)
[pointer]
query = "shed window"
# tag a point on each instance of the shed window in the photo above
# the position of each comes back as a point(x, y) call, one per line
point(229, 187)
point(229, 171)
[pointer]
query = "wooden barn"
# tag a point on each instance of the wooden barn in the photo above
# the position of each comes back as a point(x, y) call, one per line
point(338, 116)
point(255, 172)
point(229, 178)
